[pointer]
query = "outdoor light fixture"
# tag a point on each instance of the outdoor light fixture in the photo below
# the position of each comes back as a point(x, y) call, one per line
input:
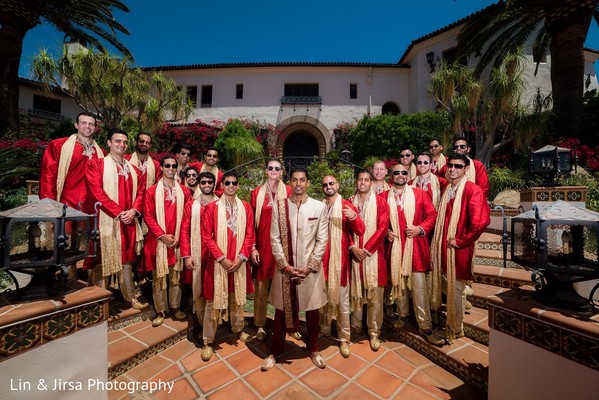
point(430, 59)
point(550, 162)
point(559, 243)
point(41, 239)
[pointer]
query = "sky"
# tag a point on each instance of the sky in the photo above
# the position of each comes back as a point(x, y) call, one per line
point(184, 32)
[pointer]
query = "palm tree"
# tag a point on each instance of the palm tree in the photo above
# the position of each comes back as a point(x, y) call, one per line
point(89, 22)
point(557, 26)
point(491, 108)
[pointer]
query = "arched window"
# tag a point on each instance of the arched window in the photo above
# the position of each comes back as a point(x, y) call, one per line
point(390, 108)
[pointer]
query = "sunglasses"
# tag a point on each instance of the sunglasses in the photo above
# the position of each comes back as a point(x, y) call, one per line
point(227, 183)
point(434, 146)
point(185, 153)
point(270, 168)
point(423, 162)
point(460, 146)
point(211, 155)
point(325, 184)
point(174, 166)
point(405, 155)
point(456, 166)
point(206, 182)
point(191, 175)
point(400, 172)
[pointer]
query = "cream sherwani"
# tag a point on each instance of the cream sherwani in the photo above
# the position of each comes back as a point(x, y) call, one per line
point(308, 227)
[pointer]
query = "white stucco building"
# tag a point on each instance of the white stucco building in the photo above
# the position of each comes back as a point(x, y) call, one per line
point(306, 101)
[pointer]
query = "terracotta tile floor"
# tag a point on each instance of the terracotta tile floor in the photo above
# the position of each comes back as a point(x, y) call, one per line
point(394, 372)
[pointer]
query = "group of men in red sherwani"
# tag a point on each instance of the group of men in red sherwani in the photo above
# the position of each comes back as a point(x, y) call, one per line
point(381, 245)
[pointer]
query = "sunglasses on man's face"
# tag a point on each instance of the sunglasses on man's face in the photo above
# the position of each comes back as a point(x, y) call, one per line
point(191, 175)
point(174, 166)
point(398, 172)
point(206, 182)
point(434, 146)
point(325, 184)
point(460, 146)
point(405, 155)
point(456, 166)
point(185, 153)
point(227, 183)
point(423, 162)
point(212, 155)
point(271, 168)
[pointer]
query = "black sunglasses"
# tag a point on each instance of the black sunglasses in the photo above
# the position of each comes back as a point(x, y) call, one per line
point(212, 155)
point(405, 155)
point(423, 162)
point(271, 168)
point(460, 146)
point(206, 182)
point(400, 172)
point(183, 153)
point(456, 166)
point(227, 183)
point(434, 146)
point(191, 175)
point(325, 184)
point(174, 166)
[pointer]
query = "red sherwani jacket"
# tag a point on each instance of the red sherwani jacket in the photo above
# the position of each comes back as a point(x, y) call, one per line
point(75, 192)
point(209, 240)
point(474, 218)
point(154, 229)
point(266, 268)
point(349, 228)
point(425, 217)
point(376, 243)
point(94, 173)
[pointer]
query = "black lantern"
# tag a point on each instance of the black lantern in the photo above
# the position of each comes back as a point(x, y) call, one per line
point(559, 243)
point(430, 59)
point(41, 239)
point(550, 162)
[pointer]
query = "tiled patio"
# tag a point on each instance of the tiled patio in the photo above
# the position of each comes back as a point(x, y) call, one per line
point(394, 372)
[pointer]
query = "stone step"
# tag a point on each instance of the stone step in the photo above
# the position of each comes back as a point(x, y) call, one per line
point(132, 339)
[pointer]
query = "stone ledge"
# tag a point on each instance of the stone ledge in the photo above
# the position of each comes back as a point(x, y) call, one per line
point(573, 335)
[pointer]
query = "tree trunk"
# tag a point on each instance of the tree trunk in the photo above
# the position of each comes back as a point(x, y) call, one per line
point(11, 45)
point(567, 74)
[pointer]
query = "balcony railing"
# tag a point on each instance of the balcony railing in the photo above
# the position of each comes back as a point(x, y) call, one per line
point(301, 100)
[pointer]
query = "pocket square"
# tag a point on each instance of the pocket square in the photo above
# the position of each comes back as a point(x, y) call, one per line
point(312, 218)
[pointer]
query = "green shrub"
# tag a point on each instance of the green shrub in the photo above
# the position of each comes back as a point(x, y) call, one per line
point(584, 180)
point(237, 145)
point(502, 178)
point(386, 135)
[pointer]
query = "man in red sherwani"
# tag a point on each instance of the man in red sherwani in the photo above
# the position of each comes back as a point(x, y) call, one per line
point(477, 172)
point(140, 158)
point(192, 252)
point(62, 173)
point(164, 203)
point(438, 159)
point(463, 217)
point(228, 234)
point(432, 184)
point(412, 218)
point(369, 269)
point(344, 224)
point(115, 183)
point(264, 264)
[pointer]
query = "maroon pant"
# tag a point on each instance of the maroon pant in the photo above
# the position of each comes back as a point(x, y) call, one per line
point(312, 323)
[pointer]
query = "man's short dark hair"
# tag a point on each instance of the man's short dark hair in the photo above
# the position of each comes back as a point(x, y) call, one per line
point(463, 139)
point(167, 157)
point(143, 133)
point(300, 169)
point(425, 153)
point(87, 114)
point(114, 131)
point(213, 149)
point(435, 139)
point(179, 146)
point(207, 175)
point(365, 171)
point(189, 168)
point(230, 173)
point(456, 156)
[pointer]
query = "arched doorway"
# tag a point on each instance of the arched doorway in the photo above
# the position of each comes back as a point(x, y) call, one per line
point(299, 148)
point(390, 108)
